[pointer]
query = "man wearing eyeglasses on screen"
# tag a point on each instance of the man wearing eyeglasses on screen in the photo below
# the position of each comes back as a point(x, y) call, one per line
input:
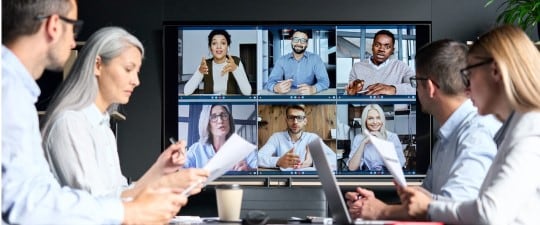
point(464, 149)
point(300, 70)
point(287, 150)
point(38, 35)
point(380, 75)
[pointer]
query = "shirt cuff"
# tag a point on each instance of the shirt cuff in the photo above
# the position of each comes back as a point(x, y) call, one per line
point(112, 210)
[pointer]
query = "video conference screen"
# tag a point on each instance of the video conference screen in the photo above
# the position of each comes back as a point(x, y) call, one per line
point(280, 86)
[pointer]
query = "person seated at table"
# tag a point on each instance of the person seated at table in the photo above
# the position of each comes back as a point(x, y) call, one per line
point(301, 70)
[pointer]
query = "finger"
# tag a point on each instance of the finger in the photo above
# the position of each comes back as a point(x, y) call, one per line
point(231, 60)
point(203, 61)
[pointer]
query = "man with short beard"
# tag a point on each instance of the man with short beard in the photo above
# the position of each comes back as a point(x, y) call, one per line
point(301, 70)
point(287, 150)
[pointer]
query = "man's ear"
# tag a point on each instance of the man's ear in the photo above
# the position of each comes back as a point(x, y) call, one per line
point(431, 88)
point(52, 28)
point(97, 66)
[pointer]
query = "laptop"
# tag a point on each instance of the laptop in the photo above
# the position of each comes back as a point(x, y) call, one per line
point(333, 194)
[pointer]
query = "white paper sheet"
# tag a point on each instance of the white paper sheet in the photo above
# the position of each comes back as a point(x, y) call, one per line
point(387, 151)
point(233, 151)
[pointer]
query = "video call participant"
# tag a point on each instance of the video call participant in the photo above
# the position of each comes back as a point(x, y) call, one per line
point(78, 141)
point(465, 148)
point(288, 150)
point(363, 154)
point(216, 125)
point(221, 74)
point(380, 75)
point(502, 67)
point(299, 70)
point(38, 35)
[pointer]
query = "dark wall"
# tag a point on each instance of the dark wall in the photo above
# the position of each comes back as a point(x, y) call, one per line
point(139, 138)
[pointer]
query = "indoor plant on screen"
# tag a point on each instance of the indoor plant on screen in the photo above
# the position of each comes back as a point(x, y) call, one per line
point(524, 13)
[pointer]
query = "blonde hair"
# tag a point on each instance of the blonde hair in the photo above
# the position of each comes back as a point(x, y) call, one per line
point(518, 61)
point(379, 110)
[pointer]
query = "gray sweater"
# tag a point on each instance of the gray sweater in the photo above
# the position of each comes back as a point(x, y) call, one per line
point(391, 72)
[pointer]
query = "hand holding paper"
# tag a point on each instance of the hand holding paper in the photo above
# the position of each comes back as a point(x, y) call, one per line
point(389, 156)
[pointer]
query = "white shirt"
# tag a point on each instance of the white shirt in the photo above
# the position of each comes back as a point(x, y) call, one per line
point(510, 193)
point(82, 153)
point(30, 194)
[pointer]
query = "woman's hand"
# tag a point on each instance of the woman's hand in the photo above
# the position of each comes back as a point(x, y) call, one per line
point(203, 68)
point(230, 66)
point(172, 158)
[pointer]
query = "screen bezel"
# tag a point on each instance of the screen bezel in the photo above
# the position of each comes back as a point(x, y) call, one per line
point(424, 135)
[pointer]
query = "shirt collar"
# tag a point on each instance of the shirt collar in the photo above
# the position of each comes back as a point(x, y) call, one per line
point(456, 119)
point(305, 55)
point(95, 116)
point(10, 62)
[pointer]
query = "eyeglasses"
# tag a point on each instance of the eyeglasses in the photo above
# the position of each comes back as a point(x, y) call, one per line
point(414, 81)
point(466, 72)
point(77, 24)
point(297, 39)
point(297, 118)
point(224, 117)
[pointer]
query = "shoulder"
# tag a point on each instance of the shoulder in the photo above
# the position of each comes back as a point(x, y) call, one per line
point(525, 124)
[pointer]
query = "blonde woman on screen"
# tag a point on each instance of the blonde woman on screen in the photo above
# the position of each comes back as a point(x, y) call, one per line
point(504, 74)
point(363, 154)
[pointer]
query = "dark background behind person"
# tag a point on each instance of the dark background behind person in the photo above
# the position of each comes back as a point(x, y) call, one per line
point(140, 135)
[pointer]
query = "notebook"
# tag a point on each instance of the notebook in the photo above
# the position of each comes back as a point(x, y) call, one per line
point(333, 194)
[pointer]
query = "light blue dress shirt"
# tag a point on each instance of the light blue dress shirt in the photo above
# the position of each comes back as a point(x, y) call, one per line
point(30, 193)
point(198, 155)
point(371, 157)
point(280, 143)
point(309, 70)
point(462, 155)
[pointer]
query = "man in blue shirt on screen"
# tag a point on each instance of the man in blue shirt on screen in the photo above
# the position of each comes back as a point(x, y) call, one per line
point(465, 148)
point(300, 70)
point(39, 34)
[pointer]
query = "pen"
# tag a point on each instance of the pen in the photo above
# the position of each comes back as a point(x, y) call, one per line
point(172, 140)
point(190, 188)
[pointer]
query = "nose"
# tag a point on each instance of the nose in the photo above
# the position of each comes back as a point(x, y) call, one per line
point(135, 80)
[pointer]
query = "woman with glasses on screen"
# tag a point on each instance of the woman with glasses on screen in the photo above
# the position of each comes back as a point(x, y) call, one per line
point(363, 154)
point(79, 144)
point(221, 74)
point(216, 125)
point(504, 78)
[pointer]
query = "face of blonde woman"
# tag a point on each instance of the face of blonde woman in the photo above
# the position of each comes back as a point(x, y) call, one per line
point(219, 122)
point(118, 78)
point(219, 47)
point(373, 120)
point(483, 86)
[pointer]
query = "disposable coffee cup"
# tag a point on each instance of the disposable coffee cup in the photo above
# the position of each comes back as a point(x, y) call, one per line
point(229, 202)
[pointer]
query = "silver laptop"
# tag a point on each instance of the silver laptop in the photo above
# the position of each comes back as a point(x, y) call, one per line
point(333, 194)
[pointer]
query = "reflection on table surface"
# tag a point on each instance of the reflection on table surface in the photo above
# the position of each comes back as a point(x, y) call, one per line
point(330, 91)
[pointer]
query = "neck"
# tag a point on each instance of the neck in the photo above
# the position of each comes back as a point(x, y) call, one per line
point(295, 137)
point(32, 56)
point(219, 61)
point(375, 62)
point(101, 104)
point(445, 106)
point(298, 56)
point(217, 142)
point(503, 109)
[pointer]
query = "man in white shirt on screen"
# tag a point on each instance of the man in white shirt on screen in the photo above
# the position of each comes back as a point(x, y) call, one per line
point(288, 150)
point(465, 148)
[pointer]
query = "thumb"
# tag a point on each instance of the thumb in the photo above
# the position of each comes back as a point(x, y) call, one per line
point(291, 150)
point(203, 61)
point(230, 58)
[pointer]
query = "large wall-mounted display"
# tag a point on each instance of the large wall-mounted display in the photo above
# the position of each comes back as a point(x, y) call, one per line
point(280, 85)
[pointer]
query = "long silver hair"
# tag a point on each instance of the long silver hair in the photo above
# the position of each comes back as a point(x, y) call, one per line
point(80, 88)
point(204, 123)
